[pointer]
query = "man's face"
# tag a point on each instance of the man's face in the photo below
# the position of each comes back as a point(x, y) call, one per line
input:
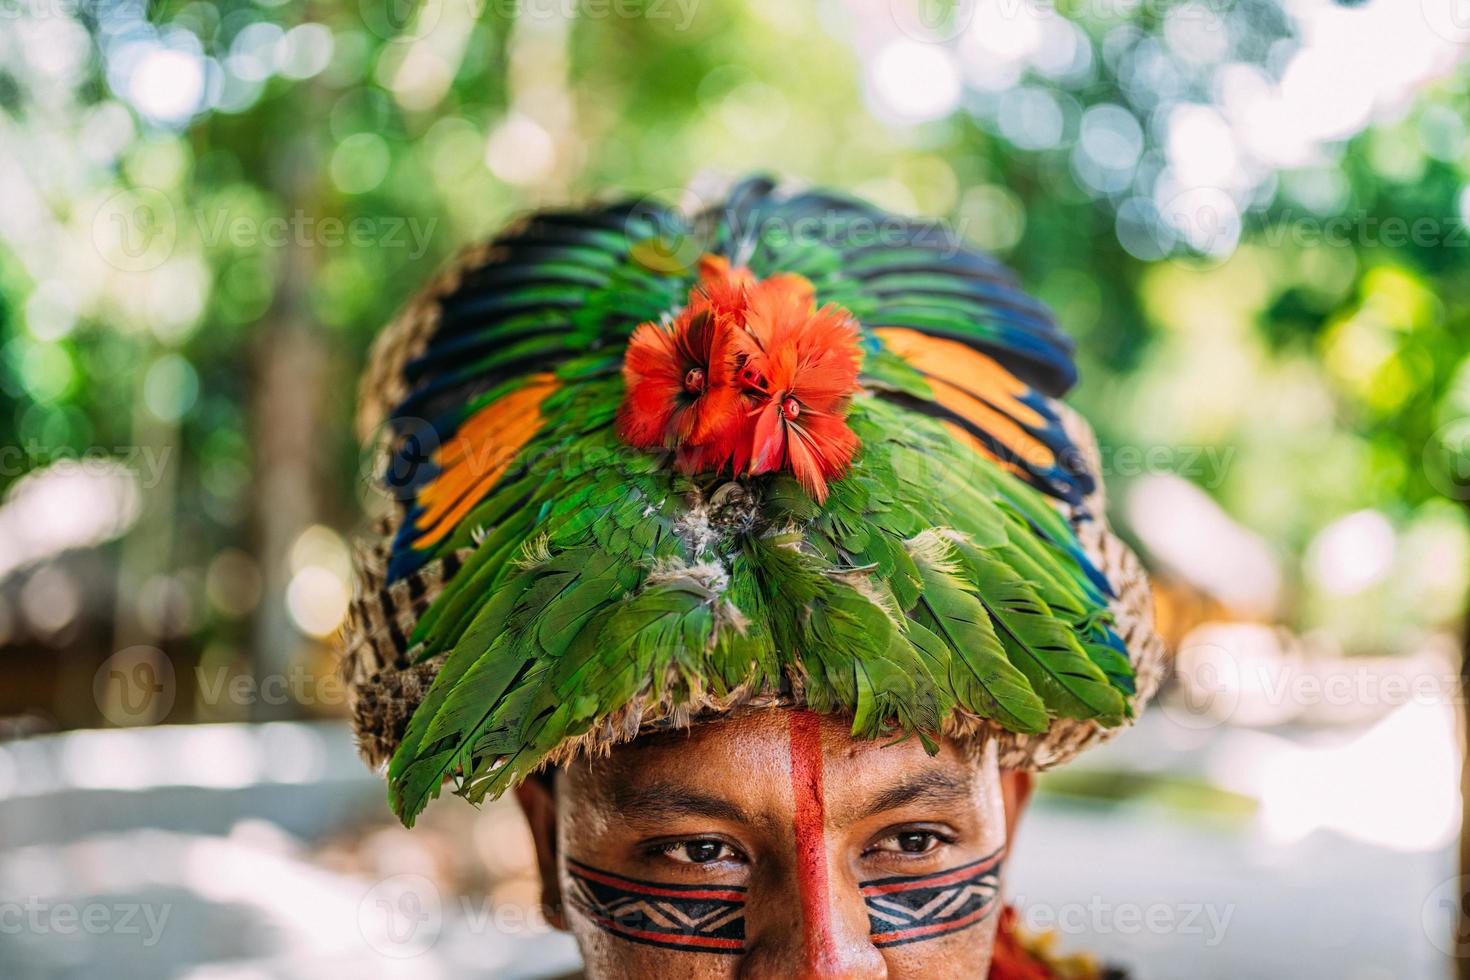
point(776, 845)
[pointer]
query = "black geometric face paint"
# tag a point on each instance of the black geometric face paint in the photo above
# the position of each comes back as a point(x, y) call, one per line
point(912, 908)
point(694, 918)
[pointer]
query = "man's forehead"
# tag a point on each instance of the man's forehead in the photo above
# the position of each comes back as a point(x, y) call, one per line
point(735, 768)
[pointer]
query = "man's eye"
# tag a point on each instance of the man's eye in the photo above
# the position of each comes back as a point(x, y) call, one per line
point(911, 842)
point(699, 851)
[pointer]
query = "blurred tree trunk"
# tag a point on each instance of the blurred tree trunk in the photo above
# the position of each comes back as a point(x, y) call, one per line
point(143, 555)
point(290, 366)
point(289, 378)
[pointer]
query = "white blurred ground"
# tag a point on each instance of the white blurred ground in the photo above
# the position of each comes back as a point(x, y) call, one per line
point(1215, 852)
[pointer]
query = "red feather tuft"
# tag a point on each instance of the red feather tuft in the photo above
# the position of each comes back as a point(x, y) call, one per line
point(804, 363)
point(678, 390)
point(750, 376)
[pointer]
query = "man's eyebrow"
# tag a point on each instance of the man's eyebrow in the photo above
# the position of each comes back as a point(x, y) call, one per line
point(928, 786)
point(672, 800)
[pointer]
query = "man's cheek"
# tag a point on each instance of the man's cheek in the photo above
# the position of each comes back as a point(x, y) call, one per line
point(646, 921)
point(907, 909)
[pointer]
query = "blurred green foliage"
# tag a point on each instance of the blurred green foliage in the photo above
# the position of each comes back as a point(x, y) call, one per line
point(203, 197)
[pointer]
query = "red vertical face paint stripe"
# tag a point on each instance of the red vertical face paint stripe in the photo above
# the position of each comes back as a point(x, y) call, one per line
point(811, 847)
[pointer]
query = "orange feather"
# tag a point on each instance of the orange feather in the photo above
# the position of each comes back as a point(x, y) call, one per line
point(478, 456)
point(1020, 442)
point(964, 367)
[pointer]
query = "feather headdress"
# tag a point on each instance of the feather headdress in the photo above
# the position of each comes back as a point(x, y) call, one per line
point(651, 467)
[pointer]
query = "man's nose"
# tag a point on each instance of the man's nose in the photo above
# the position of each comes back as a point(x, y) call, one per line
point(788, 935)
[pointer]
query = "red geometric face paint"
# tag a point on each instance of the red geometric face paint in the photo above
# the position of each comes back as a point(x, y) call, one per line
point(811, 847)
point(693, 918)
point(910, 908)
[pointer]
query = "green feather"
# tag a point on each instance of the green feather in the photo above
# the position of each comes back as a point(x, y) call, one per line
point(626, 648)
point(982, 678)
point(416, 772)
point(1042, 647)
point(1115, 666)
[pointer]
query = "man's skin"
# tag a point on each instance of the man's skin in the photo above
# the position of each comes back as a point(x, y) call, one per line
point(773, 844)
